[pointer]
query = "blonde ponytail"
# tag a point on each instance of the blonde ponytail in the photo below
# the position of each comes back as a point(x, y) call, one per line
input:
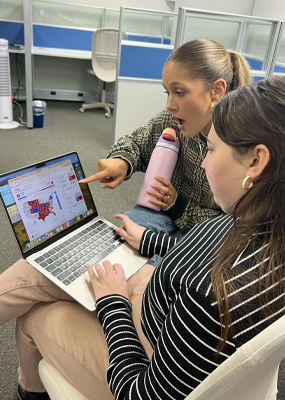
point(241, 70)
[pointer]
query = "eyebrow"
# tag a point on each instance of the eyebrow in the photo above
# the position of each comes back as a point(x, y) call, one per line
point(173, 83)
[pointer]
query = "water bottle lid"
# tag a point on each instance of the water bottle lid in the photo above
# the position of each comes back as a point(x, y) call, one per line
point(169, 134)
point(172, 143)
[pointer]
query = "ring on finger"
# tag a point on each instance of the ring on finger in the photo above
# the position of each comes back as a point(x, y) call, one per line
point(166, 199)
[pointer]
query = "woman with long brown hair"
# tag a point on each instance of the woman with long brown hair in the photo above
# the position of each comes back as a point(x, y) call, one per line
point(224, 282)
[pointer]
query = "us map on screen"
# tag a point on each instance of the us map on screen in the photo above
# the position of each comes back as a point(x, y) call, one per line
point(47, 198)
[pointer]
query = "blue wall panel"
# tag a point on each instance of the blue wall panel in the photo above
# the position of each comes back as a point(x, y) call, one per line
point(62, 38)
point(142, 62)
point(13, 32)
point(255, 64)
point(279, 69)
point(148, 39)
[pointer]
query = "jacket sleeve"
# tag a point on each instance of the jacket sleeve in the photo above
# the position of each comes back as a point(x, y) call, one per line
point(137, 148)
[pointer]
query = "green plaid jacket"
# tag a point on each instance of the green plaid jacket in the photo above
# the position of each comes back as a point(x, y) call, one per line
point(195, 201)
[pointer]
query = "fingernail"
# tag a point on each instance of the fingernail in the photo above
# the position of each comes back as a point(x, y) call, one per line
point(104, 187)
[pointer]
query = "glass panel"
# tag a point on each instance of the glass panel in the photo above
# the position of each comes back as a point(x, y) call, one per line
point(11, 10)
point(255, 44)
point(59, 14)
point(170, 29)
point(144, 26)
point(112, 18)
point(224, 32)
point(280, 60)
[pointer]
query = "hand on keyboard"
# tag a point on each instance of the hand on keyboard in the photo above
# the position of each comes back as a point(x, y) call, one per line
point(110, 279)
point(130, 231)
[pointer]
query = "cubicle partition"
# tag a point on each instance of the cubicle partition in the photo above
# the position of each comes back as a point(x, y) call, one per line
point(139, 91)
point(278, 60)
point(12, 22)
point(62, 30)
point(255, 38)
point(71, 26)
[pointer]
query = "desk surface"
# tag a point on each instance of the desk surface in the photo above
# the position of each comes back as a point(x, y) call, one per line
point(17, 49)
point(47, 51)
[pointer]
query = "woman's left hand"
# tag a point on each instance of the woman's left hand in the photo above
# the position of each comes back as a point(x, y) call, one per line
point(165, 193)
point(110, 279)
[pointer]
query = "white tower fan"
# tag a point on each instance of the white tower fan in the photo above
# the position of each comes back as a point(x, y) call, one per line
point(6, 109)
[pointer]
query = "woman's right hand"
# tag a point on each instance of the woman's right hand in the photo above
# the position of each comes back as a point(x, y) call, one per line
point(130, 231)
point(111, 172)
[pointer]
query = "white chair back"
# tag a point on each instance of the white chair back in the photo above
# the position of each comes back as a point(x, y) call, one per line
point(251, 372)
point(104, 53)
point(56, 384)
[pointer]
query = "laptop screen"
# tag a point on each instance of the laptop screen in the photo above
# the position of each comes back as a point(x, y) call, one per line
point(45, 199)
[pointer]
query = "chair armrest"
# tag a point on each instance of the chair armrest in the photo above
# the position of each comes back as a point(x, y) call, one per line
point(56, 384)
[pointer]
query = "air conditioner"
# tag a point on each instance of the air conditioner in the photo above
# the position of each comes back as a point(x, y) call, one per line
point(6, 109)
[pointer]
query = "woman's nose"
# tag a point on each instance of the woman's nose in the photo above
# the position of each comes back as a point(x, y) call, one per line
point(170, 106)
point(204, 163)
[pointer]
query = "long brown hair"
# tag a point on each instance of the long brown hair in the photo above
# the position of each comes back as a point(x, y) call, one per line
point(244, 118)
point(209, 61)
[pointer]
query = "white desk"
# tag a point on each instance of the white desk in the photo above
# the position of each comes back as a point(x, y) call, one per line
point(51, 52)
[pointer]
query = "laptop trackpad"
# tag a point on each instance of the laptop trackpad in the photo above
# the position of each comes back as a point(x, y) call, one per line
point(85, 294)
point(130, 267)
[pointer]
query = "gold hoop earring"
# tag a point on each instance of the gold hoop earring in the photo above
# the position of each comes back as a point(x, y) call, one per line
point(211, 106)
point(244, 182)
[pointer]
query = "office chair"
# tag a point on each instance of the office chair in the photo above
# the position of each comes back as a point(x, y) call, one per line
point(104, 64)
point(251, 373)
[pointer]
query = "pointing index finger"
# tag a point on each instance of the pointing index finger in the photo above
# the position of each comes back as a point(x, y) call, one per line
point(95, 177)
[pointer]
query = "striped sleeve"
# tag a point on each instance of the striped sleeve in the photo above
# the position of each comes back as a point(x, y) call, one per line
point(126, 354)
point(184, 354)
point(156, 243)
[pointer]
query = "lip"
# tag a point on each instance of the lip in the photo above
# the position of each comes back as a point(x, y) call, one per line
point(180, 123)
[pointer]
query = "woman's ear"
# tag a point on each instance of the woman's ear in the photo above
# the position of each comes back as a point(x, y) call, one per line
point(258, 160)
point(219, 89)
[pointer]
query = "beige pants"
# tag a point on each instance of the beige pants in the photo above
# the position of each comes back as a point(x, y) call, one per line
point(51, 325)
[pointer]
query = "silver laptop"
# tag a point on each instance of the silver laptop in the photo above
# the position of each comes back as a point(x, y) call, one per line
point(57, 227)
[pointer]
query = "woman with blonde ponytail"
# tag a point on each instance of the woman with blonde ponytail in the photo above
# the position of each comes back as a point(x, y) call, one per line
point(195, 77)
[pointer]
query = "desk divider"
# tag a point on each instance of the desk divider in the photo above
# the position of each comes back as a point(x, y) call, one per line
point(62, 38)
point(13, 32)
point(143, 61)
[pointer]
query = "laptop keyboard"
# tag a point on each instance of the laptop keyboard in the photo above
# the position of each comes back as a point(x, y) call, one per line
point(69, 260)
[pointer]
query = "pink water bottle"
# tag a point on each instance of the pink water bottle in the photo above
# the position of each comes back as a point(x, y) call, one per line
point(162, 163)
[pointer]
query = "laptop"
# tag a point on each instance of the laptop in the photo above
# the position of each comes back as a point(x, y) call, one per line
point(57, 227)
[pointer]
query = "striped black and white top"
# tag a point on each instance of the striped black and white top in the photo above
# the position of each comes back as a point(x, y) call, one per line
point(179, 317)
